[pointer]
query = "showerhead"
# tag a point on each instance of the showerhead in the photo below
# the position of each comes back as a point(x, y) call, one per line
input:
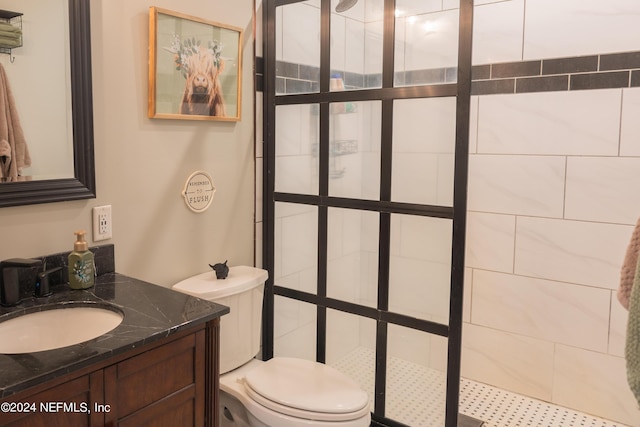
point(344, 5)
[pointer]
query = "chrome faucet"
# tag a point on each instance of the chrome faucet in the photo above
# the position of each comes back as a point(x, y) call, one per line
point(10, 278)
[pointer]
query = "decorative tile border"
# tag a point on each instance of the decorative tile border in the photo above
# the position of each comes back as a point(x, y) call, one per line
point(617, 70)
point(558, 74)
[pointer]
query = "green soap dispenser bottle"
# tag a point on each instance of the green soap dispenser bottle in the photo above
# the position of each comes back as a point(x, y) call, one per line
point(81, 265)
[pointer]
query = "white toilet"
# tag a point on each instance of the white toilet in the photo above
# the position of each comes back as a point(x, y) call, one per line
point(281, 392)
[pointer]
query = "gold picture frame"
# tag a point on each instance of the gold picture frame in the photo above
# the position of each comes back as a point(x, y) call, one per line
point(195, 68)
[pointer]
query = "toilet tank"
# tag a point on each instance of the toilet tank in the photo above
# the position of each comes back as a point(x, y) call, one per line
point(242, 291)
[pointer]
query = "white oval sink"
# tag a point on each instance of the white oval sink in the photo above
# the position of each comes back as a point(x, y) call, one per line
point(56, 328)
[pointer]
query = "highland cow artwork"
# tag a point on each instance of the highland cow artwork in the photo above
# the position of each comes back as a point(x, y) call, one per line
point(194, 68)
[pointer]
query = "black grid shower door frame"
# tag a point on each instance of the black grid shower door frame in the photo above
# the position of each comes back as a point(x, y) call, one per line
point(461, 90)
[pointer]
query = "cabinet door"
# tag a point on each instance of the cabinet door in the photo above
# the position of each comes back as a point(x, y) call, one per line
point(68, 404)
point(161, 387)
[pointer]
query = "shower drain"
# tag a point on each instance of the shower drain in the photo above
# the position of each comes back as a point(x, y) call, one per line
point(407, 394)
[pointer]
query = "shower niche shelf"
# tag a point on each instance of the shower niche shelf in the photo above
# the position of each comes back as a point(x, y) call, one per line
point(339, 147)
point(343, 147)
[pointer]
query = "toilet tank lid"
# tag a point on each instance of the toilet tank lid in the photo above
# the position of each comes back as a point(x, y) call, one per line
point(206, 286)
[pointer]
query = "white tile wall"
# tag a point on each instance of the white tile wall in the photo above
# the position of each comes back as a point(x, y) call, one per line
point(417, 7)
point(473, 125)
point(355, 46)
point(419, 288)
point(454, 4)
point(296, 129)
point(523, 364)
point(415, 178)
point(345, 254)
point(301, 39)
point(497, 32)
point(424, 125)
point(602, 188)
point(561, 169)
point(630, 126)
point(491, 239)
point(580, 27)
point(400, 45)
point(409, 344)
point(292, 316)
point(594, 383)
point(297, 174)
point(427, 239)
point(419, 273)
point(431, 40)
point(296, 133)
point(535, 184)
point(578, 123)
point(343, 277)
point(343, 334)
point(468, 289)
point(551, 311)
point(373, 48)
point(374, 10)
point(279, 35)
point(423, 134)
point(361, 178)
point(338, 44)
point(296, 241)
point(586, 253)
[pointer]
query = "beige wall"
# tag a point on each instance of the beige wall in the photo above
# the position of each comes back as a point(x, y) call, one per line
point(142, 164)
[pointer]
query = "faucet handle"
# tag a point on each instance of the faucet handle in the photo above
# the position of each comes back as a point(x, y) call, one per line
point(43, 283)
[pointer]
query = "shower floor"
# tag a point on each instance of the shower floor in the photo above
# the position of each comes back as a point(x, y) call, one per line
point(406, 397)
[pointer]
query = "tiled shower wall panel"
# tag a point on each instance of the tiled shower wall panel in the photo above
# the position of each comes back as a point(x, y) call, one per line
point(552, 203)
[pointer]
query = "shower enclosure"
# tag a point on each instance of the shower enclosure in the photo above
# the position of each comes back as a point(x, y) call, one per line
point(366, 121)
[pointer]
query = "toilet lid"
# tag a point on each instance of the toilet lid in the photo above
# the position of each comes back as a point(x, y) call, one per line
point(307, 386)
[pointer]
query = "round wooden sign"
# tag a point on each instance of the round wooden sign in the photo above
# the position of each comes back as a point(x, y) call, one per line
point(198, 191)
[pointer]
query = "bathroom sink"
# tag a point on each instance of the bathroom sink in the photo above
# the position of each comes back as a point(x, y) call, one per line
point(58, 327)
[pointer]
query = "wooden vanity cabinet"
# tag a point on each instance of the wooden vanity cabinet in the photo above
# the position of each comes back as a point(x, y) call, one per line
point(75, 393)
point(170, 382)
point(159, 387)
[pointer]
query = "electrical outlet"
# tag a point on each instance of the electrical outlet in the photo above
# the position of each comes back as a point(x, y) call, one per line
point(102, 226)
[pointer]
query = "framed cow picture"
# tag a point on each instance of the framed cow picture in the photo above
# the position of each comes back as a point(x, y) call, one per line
point(195, 68)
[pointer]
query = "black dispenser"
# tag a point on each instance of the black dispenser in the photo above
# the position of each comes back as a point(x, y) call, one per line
point(10, 278)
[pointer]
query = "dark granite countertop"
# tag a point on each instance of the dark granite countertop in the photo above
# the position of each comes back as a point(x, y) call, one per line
point(151, 312)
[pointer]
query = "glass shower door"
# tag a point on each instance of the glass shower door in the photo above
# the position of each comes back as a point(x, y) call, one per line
point(366, 140)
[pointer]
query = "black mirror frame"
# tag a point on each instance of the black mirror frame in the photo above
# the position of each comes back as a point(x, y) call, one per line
point(83, 185)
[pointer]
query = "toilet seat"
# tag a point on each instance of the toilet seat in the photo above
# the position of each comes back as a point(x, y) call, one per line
point(305, 389)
